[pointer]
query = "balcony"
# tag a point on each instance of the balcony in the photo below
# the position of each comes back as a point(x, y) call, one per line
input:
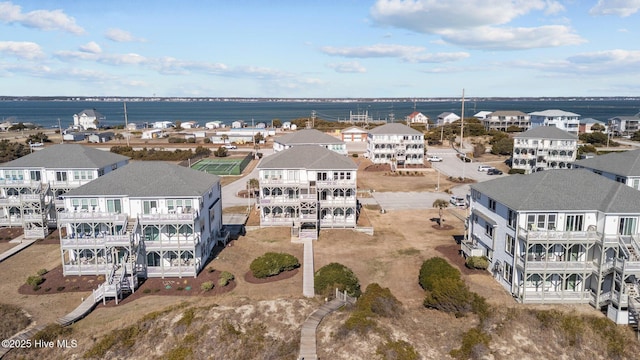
point(557, 297)
point(168, 218)
point(469, 248)
point(339, 201)
point(552, 236)
point(561, 266)
point(281, 181)
point(347, 183)
point(279, 200)
point(187, 243)
point(90, 216)
point(78, 268)
point(101, 241)
point(172, 271)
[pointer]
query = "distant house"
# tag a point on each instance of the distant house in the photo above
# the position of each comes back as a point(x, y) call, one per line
point(237, 124)
point(162, 124)
point(309, 137)
point(481, 115)
point(563, 120)
point(152, 134)
point(190, 125)
point(101, 137)
point(286, 125)
point(501, 120)
point(417, 118)
point(447, 118)
point(132, 126)
point(73, 136)
point(88, 119)
point(214, 124)
point(261, 125)
point(587, 123)
point(353, 134)
point(542, 148)
point(397, 143)
point(623, 167)
point(624, 125)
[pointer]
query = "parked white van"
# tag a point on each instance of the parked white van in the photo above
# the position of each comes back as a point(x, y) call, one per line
point(484, 167)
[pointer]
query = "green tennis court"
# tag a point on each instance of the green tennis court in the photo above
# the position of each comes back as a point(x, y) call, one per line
point(221, 166)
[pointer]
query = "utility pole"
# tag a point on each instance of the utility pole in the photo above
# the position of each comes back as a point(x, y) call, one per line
point(126, 123)
point(462, 135)
point(60, 129)
point(313, 119)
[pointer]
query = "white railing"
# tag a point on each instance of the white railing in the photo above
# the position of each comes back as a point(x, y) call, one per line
point(157, 271)
point(190, 242)
point(333, 183)
point(351, 200)
point(471, 249)
point(279, 200)
point(156, 218)
point(79, 216)
point(280, 181)
point(560, 236)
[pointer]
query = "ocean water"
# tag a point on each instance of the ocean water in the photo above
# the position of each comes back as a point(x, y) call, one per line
point(48, 113)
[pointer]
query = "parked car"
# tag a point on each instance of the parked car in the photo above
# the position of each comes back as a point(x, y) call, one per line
point(229, 147)
point(434, 158)
point(484, 167)
point(464, 158)
point(457, 201)
point(494, 171)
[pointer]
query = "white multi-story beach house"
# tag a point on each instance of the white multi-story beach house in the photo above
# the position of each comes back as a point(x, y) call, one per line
point(544, 147)
point(309, 137)
point(564, 120)
point(353, 134)
point(624, 125)
point(560, 237)
point(446, 118)
point(309, 188)
point(623, 167)
point(148, 219)
point(501, 120)
point(31, 186)
point(87, 119)
point(395, 144)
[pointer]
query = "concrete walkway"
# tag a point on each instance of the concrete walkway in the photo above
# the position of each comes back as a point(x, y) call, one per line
point(308, 335)
point(307, 270)
point(22, 244)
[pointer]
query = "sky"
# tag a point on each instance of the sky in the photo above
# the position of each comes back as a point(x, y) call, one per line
point(320, 48)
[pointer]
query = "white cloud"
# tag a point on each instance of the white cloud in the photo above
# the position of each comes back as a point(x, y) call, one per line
point(406, 53)
point(592, 63)
point(119, 35)
point(484, 20)
point(347, 67)
point(39, 19)
point(611, 58)
point(514, 38)
point(431, 16)
point(23, 50)
point(622, 8)
point(91, 47)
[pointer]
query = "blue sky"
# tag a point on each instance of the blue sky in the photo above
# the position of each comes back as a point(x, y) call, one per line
point(324, 49)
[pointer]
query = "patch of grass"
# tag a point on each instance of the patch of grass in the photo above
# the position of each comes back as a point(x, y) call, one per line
point(13, 320)
point(409, 251)
point(42, 272)
point(179, 353)
point(475, 345)
point(52, 332)
point(187, 317)
point(397, 350)
point(125, 339)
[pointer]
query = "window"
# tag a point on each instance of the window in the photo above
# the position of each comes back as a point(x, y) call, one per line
point(541, 222)
point(508, 272)
point(627, 226)
point(574, 223)
point(492, 204)
point(114, 206)
point(488, 229)
point(149, 206)
point(511, 218)
point(153, 259)
point(323, 176)
point(35, 175)
point(510, 243)
point(621, 179)
point(61, 176)
point(83, 175)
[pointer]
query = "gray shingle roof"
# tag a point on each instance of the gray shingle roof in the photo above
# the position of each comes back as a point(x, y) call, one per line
point(306, 137)
point(394, 129)
point(557, 190)
point(546, 132)
point(553, 113)
point(312, 157)
point(507, 113)
point(150, 179)
point(624, 163)
point(66, 156)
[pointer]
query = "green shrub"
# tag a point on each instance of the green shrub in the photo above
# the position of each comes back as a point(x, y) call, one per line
point(475, 344)
point(434, 269)
point(225, 277)
point(354, 155)
point(35, 280)
point(207, 285)
point(379, 301)
point(397, 350)
point(516, 171)
point(335, 275)
point(271, 264)
point(42, 272)
point(449, 295)
point(477, 262)
point(51, 332)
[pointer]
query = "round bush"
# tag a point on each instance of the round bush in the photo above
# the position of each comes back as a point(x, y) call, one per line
point(271, 264)
point(35, 280)
point(434, 269)
point(225, 277)
point(477, 262)
point(206, 286)
point(334, 275)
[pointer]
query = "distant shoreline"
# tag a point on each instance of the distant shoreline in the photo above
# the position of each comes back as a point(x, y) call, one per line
point(336, 100)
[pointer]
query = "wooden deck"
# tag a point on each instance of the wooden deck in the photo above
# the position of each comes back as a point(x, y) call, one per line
point(308, 335)
point(78, 313)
